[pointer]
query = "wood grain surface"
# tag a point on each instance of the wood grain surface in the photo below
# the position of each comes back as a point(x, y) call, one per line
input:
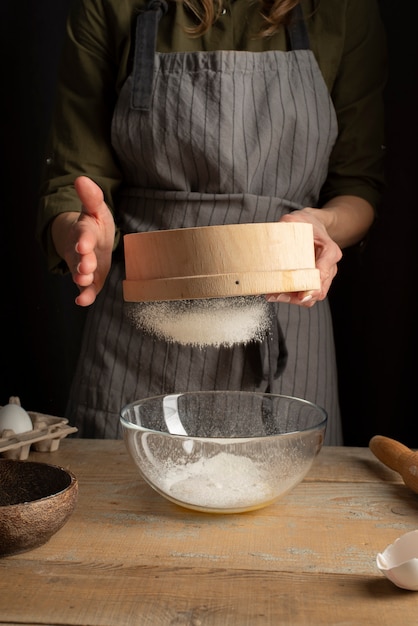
point(129, 557)
point(219, 261)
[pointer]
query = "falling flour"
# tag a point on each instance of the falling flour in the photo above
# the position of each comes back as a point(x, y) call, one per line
point(215, 321)
point(224, 481)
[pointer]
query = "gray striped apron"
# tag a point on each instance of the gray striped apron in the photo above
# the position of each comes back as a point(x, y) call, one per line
point(209, 138)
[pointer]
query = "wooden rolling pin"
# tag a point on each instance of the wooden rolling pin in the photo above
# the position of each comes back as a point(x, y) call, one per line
point(398, 457)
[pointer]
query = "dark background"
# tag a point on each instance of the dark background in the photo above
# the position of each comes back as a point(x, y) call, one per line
point(374, 298)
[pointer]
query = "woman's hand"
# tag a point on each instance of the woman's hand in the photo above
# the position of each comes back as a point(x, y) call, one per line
point(327, 255)
point(343, 221)
point(85, 240)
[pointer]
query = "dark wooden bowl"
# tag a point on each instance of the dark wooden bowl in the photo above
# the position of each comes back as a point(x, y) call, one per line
point(36, 500)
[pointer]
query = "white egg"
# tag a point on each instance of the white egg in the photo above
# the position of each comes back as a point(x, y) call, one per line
point(13, 417)
point(399, 562)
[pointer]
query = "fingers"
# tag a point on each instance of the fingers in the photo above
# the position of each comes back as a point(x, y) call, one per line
point(309, 298)
point(326, 263)
point(302, 298)
point(83, 280)
point(85, 240)
point(87, 264)
point(90, 194)
point(88, 223)
point(87, 296)
point(327, 256)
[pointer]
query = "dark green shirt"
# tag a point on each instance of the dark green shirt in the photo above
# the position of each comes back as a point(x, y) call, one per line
point(346, 36)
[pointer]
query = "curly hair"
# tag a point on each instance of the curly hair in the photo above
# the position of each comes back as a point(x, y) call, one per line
point(274, 13)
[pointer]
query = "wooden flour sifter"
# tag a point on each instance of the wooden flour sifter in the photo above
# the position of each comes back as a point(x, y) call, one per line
point(215, 276)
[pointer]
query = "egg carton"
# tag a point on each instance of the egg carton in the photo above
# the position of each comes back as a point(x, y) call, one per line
point(45, 437)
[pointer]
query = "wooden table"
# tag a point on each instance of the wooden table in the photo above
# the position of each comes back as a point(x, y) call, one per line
point(128, 556)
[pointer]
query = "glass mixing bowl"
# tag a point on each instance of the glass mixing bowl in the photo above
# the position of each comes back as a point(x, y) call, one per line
point(223, 451)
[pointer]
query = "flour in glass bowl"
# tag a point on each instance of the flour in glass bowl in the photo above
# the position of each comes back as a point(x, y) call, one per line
point(203, 322)
point(224, 481)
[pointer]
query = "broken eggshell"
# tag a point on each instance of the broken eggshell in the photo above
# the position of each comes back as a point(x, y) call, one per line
point(399, 562)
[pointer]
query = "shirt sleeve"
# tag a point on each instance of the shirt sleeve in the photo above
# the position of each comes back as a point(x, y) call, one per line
point(357, 161)
point(80, 142)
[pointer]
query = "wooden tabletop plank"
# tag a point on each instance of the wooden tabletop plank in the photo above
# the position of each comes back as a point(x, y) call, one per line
point(64, 593)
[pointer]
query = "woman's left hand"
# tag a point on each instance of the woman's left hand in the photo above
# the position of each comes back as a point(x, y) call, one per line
point(327, 255)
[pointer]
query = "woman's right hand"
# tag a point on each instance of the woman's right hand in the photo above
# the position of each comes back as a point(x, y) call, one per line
point(85, 240)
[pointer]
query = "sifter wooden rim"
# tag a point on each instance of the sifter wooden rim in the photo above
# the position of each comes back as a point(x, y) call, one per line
point(220, 286)
point(219, 261)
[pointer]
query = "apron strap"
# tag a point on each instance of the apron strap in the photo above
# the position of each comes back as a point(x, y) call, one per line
point(297, 30)
point(145, 45)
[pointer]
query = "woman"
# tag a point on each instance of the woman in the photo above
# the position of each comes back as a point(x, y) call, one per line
point(194, 113)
